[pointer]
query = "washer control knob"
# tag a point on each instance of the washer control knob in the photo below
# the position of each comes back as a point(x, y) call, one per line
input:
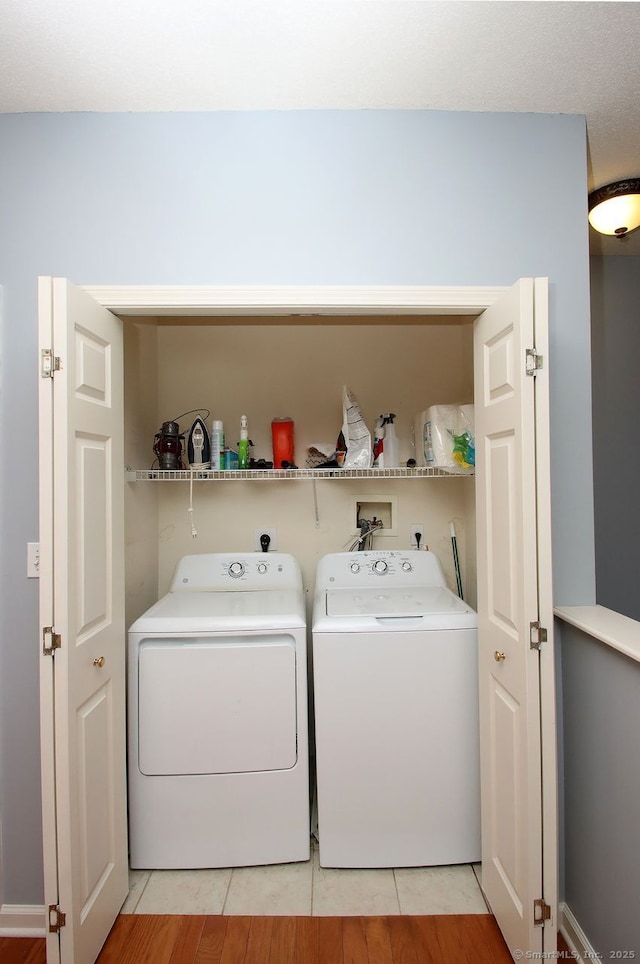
point(236, 569)
point(380, 566)
point(355, 567)
point(407, 567)
point(262, 567)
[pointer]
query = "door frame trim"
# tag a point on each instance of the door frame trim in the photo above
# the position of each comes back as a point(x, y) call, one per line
point(343, 300)
point(273, 300)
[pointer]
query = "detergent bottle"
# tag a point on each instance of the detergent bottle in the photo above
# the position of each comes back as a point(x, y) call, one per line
point(282, 435)
point(243, 444)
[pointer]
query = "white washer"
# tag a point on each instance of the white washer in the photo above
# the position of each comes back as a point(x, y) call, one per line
point(395, 669)
point(217, 717)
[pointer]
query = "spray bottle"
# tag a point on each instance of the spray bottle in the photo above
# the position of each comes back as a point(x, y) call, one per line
point(391, 448)
point(243, 444)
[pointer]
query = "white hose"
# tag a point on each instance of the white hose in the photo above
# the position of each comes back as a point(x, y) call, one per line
point(194, 534)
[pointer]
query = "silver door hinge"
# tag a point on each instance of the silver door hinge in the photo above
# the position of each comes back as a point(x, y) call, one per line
point(50, 363)
point(56, 919)
point(541, 912)
point(55, 641)
point(533, 361)
point(537, 635)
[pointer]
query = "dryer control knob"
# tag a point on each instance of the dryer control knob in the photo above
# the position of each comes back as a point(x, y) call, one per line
point(380, 566)
point(236, 569)
point(406, 567)
point(262, 567)
point(355, 567)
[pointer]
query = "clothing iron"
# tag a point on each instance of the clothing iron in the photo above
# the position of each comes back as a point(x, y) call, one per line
point(199, 446)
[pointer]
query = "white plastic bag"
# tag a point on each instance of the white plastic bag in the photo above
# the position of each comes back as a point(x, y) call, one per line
point(356, 434)
point(449, 438)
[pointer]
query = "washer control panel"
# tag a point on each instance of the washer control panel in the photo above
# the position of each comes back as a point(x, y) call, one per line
point(409, 567)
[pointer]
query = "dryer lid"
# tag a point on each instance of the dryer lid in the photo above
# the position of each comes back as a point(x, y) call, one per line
point(200, 612)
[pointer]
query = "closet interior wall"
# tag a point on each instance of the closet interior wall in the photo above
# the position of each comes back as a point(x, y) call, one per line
point(264, 368)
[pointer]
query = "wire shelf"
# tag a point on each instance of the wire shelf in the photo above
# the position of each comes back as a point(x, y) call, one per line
point(270, 475)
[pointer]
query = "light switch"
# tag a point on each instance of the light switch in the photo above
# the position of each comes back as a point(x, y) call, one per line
point(33, 560)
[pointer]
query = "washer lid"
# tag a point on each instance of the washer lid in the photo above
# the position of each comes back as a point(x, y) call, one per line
point(201, 612)
point(394, 601)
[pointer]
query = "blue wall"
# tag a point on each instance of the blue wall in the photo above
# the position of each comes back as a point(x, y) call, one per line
point(600, 686)
point(366, 197)
point(601, 716)
point(615, 311)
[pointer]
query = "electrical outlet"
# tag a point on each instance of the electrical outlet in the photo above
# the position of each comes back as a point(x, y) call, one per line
point(273, 536)
point(33, 560)
point(416, 527)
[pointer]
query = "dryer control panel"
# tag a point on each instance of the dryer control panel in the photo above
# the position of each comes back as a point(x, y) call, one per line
point(209, 572)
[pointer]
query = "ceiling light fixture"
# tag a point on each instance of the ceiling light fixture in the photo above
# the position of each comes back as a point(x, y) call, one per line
point(615, 208)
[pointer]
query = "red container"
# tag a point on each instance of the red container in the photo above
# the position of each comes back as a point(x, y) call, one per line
point(282, 435)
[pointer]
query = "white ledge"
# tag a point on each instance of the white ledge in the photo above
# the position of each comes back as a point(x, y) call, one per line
point(611, 628)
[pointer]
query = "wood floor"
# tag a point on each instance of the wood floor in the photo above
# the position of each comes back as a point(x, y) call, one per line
point(177, 939)
point(22, 950)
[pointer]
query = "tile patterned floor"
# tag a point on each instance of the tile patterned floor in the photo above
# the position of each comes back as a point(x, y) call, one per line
point(305, 889)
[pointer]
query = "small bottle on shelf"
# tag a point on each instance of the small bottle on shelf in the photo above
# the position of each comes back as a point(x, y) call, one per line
point(243, 444)
point(217, 445)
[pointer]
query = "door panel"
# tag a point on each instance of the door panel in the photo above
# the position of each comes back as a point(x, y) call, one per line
point(82, 526)
point(95, 792)
point(93, 461)
point(504, 725)
point(500, 461)
point(507, 520)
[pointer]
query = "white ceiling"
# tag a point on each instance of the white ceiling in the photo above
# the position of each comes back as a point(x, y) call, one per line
point(204, 55)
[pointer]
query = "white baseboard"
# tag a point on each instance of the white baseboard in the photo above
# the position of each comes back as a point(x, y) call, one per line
point(22, 920)
point(576, 937)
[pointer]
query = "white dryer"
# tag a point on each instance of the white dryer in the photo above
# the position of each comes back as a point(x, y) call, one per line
point(217, 717)
point(395, 669)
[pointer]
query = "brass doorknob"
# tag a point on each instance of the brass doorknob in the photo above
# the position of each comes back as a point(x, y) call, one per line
point(499, 656)
point(99, 661)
